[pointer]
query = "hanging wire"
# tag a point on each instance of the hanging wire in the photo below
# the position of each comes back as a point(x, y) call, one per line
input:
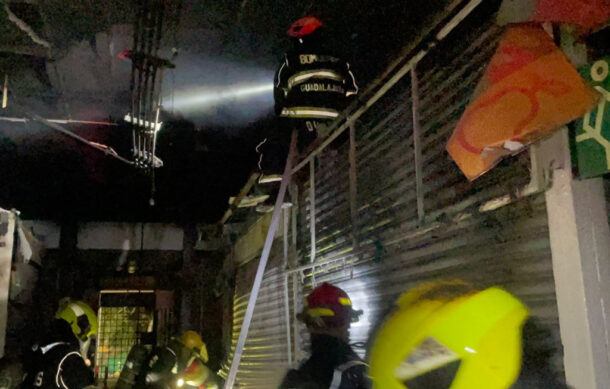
point(260, 158)
point(103, 148)
point(23, 26)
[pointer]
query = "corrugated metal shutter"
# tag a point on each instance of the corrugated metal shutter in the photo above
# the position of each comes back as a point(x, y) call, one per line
point(607, 191)
point(508, 246)
point(265, 356)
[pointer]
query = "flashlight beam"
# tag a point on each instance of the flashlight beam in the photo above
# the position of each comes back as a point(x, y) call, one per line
point(217, 95)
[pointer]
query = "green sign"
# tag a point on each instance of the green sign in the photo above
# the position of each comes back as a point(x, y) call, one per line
point(593, 134)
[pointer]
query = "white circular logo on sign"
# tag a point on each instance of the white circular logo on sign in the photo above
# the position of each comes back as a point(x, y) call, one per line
point(599, 71)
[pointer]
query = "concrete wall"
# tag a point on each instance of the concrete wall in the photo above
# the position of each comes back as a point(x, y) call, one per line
point(47, 232)
point(123, 236)
point(128, 236)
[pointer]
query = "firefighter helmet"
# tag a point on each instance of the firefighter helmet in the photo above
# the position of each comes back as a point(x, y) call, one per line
point(196, 374)
point(328, 306)
point(193, 341)
point(80, 316)
point(304, 26)
point(449, 335)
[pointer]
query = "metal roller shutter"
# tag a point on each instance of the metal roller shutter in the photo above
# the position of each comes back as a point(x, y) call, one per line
point(265, 357)
point(464, 235)
point(514, 253)
point(607, 191)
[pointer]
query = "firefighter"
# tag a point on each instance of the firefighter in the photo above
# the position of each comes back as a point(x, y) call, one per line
point(56, 361)
point(311, 87)
point(313, 84)
point(179, 364)
point(333, 364)
point(449, 335)
point(81, 318)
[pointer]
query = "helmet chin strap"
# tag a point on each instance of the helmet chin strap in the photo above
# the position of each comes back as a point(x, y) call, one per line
point(84, 347)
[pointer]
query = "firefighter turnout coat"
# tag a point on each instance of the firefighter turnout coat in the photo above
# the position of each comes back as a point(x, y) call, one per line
point(312, 84)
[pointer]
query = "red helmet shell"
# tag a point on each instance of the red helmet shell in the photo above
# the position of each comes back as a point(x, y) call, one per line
point(304, 27)
point(328, 298)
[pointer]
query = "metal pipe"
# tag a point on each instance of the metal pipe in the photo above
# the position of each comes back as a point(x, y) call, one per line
point(132, 83)
point(287, 318)
point(138, 52)
point(154, 129)
point(353, 188)
point(295, 209)
point(258, 279)
point(417, 135)
point(155, 65)
point(146, 68)
point(285, 236)
point(295, 322)
point(352, 117)
point(286, 295)
point(58, 121)
point(151, 18)
point(294, 195)
point(312, 209)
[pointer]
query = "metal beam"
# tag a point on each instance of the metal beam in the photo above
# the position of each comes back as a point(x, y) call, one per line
point(353, 190)
point(417, 139)
point(242, 193)
point(8, 218)
point(287, 318)
point(580, 245)
point(312, 209)
point(286, 286)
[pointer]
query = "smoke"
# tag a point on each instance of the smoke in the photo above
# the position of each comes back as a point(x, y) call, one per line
point(217, 91)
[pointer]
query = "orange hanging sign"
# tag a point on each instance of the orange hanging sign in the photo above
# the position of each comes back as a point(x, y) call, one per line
point(584, 13)
point(528, 90)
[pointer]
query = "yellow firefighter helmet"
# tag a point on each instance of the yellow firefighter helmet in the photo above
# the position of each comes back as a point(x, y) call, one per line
point(193, 341)
point(80, 316)
point(449, 335)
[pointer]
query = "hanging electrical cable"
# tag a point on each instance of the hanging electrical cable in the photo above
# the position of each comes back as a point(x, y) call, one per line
point(53, 125)
point(23, 26)
point(259, 151)
point(146, 82)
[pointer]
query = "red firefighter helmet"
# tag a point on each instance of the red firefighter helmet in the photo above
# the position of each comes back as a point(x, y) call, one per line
point(304, 26)
point(328, 307)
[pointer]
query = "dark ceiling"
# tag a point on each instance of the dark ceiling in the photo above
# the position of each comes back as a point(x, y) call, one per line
point(208, 150)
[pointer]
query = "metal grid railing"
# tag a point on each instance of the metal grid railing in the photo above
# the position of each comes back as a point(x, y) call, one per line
point(126, 320)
